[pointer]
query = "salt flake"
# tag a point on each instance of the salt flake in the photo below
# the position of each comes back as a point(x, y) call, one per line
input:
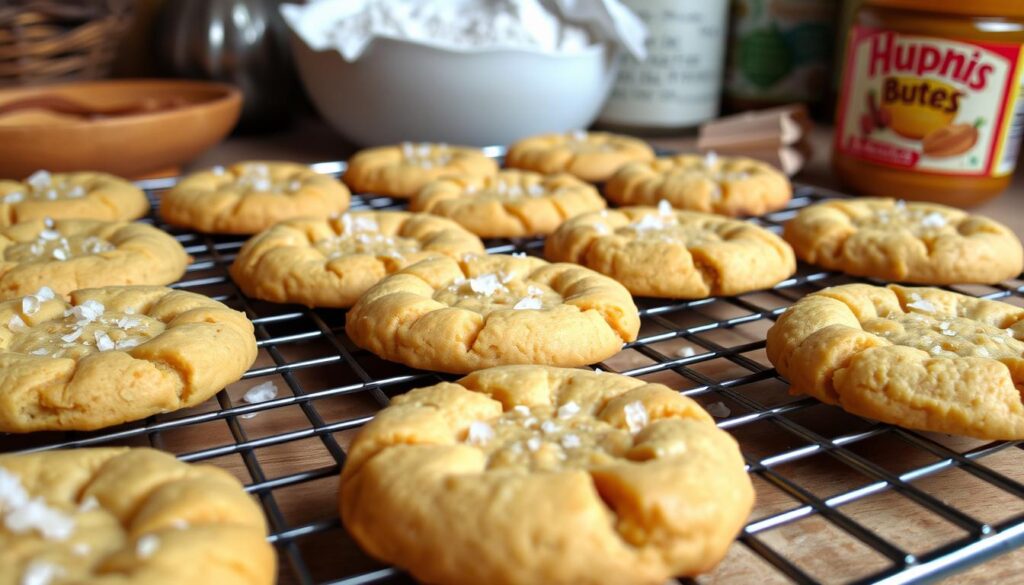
point(480, 433)
point(261, 393)
point(485, 284)
point(570, 441)
point(933, 220)
point(636, 416)
point(40, 572)
point(147, 546)
point(528, 303)
point(718, 410)
point(686, 352)
point(568, 410)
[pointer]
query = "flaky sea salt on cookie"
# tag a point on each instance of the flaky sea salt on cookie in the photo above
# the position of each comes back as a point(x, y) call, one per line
point(66, 255)
point(923, 243)
point(509, 204)
point(480, 311)
point(922, 358)
point(662, 252)
point(732, 186)
point(332, 262)
point(82, 195)
point(113, 355)
point(613, 481)
point(591, 156)
point(92, 516)
point(403, 169)
point(248, 197)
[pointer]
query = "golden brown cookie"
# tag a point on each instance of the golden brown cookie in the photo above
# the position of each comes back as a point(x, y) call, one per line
point(923, 243)
point(921, 358)
point(659, 252)
point(402, 170)
point(482, 311)
point(248, 197)
point(591, 156)
point(529, 474)
point(84, 195)
point(510, 204)
point(67, 255)
point(114, 355)
point(331, 262)
point(733, 186)
point(116, 515)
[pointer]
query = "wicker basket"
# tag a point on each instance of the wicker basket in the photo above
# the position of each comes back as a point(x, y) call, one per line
point(43, 41)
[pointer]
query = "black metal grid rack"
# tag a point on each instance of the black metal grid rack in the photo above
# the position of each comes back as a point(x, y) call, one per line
point(840, 499)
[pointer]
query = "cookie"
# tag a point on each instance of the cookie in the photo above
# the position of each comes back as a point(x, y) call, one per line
point(480, 311)
point(921, 358)
point(591, 156)
point(922, 243)
point(402, 170)
point(249, 197)
point(659, 252)
point(114, 355)
point(529, 474)
point(120, 515)
point(82, 195)
point(331, 262)
point(510, 204)
point(733, 186)
point(67, 255)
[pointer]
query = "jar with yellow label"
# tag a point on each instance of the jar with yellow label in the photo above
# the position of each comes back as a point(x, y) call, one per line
point(931, 105)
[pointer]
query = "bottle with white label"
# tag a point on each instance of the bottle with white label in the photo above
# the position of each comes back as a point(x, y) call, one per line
point(679, 85)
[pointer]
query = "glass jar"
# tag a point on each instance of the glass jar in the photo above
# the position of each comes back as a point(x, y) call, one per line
point(679, 85)
point(930, 106)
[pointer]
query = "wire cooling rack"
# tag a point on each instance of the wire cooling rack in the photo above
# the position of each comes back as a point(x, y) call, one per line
point(840, 499)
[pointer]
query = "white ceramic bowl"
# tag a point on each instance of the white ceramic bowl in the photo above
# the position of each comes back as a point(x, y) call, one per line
point(402, 91)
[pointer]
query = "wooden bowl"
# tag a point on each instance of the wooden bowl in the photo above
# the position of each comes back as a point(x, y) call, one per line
point(198, 115)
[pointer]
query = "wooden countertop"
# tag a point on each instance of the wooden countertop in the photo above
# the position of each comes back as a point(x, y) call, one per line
point(818, 545)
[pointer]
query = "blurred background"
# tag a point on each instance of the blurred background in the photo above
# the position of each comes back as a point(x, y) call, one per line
point(313, 81)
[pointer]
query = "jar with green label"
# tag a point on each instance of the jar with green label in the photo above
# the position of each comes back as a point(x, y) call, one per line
point(780, 52)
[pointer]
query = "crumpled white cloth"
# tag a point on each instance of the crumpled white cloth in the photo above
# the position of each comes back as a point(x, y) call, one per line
point(350, 26)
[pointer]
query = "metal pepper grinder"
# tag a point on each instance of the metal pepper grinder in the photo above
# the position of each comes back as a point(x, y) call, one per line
point(241, 42)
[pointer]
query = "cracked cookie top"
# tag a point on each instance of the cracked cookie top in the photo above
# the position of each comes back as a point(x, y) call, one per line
point(459, 315)
point(403, 169)
point(922, 358)
point(66, 255)
point(332, 262)
point(662, 252)
point(591, 156)
point(251, 196)
point(726, 185)
point(509, 204)
point(91, 516)
point(923, 243)
point(552, 453)
point(83, 195)
point(113, 355)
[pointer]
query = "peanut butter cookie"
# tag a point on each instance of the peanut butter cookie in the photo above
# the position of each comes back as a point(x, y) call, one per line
point(331, 262)
point(591, 156)
point(67, 255)
point(922, 243)
point(403, 169)
point(481, 311)
point(921, 358)
point(529, 474)
point(115, 515)
point(660, 252)
point(114, 355)
point(249, 197)
point(732, 186)
point(83, 195)
point(510, 204)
